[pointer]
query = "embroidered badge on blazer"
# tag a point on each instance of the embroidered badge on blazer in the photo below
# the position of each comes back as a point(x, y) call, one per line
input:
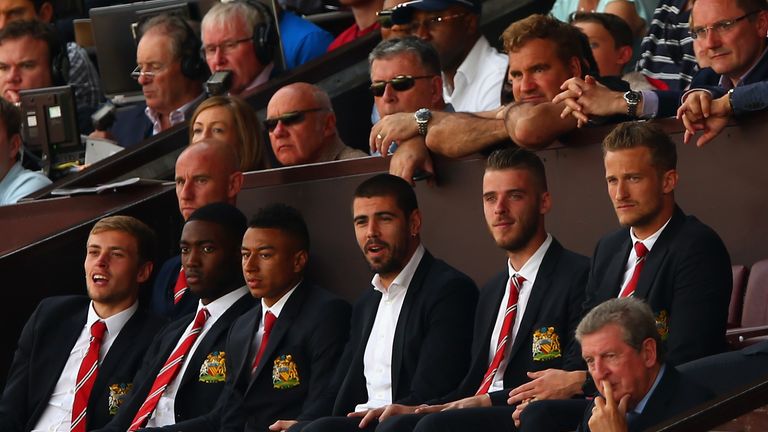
point(214, 370)
point(285, 374)
point(118, 393)
point(546, 344)
point(662, 324)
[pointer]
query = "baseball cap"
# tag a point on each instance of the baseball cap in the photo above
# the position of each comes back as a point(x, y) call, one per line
point(403, 12)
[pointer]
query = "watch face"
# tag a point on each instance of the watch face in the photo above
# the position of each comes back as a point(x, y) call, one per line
point(632, 97)
point(423, 114)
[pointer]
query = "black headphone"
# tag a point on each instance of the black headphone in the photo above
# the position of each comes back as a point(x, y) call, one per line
point(264, 34)
point(193, 66)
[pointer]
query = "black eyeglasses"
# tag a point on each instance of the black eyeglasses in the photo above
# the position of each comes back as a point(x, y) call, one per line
point(399, 83)
point(718, 27)
point(289, 118)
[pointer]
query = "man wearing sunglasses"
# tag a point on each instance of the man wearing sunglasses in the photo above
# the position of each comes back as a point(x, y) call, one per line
point(473, 71)
point(302, 127)
point(731, 35)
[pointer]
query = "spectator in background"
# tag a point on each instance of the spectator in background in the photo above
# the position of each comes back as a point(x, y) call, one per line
point(82, 74)
point(302, 39)
point(610, 39)
point(636, 13)
point(364, 12)
point(170, 73)
point(302, 127)
point(473, 71)
point(240, 38)
point(15, 181)
point(231, 120)
point(388, 28)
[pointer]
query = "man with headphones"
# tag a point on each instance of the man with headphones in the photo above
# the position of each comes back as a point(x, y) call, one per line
point(171, 74)
point(239, 36)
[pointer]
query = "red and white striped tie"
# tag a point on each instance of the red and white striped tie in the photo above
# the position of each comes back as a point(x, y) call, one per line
point(86, 377)
point(515, 283)
point(169, 371)
point(641, 251)
point(180, 288)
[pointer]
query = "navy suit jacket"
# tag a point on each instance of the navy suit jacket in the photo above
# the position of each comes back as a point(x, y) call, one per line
point(161, 298)
point(195, 395)
point(555, 301)
point(308, 337)
point(675, 394)
point(132, 126)
point(751, 95)
point(686, 280)
point(44, 347)
point(431, 347)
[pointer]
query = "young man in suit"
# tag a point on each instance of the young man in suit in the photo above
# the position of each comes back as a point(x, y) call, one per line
point(77, 355)
point(206, 172)
point(624, 353)
point(184, 371)
point(527, 314)
point(411, 334)
point(281, 353)
point(672, 261)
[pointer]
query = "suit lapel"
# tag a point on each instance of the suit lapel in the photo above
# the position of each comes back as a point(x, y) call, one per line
point(398, 344)
point(611, 283)
point(539, 293)
point(241, 339)
point(657, 255)
point(491, 312)
point(119, 350)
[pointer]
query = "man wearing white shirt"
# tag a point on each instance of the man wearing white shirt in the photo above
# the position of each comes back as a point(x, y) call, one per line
point(411, 333)
point(526, 315)
point(210, 243)
point(105, 333)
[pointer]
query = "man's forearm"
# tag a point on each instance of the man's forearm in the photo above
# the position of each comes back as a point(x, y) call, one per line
point(461, 134)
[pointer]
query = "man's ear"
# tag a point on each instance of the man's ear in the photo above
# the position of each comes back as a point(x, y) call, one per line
point(574, 65)
point(45, 14)
point(235, 184)
point(437, 91)
point(145, 271)
point(625, 55)
point(300, 260)
point(15, 142)
point(669, 181)
point(329, 128)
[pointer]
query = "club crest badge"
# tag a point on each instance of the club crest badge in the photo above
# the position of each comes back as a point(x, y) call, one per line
point(285, 374)
point(546, 344)
point(118, 393)
point(214, 370)
point(662, 324)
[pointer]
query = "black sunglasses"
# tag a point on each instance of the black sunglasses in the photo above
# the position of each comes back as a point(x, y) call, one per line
point(399, 83)
point(289, 118)
point(384, 17)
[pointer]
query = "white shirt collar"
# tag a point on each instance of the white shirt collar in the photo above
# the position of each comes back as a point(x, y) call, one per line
point(403, 279)
point(530, 269)
point(471, 65)
point(116, 322)
point(649, 241)
point(217, 307)
point(260, 79)
point(278, 306)
point(179, 115)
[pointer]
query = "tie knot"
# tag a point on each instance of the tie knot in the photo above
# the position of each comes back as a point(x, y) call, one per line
point(269, 321)
point(201, 316)
point(517, 282)
point(98, 329)
point(640, 249)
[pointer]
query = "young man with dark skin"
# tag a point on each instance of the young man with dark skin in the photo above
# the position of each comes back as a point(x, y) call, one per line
point(281, 353)
point(66, 335)
point(183, 373)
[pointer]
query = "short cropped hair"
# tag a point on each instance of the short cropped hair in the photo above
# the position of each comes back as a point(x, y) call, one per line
point(285, 218)
point(518, 158)
point(615, 25)
point(34, 29)
point(11, 117)
point(388, 185)
point(569, 40)
point(422, 50)
point(226, 215)
point(184, 41)
point(639, 133)
point(748, 6)
point(633, 316)
point(144, 235)
point(227, 14)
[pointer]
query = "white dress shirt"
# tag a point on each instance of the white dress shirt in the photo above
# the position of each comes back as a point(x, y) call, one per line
point(275, 309)
point(57, 416)
point(377, 360)
point(164, 413)
point(648, 242)
point(529, 270)
point(478, 80)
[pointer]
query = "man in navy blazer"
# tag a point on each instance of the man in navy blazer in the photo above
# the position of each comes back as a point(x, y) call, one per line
point(411, 333)
point(515, 201)
point(297, 358)
point(40, 390)
point(206, 172)
point(686, 274)
point(210, 253)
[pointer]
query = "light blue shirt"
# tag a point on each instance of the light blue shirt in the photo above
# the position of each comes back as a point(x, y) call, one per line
point(19, 182)
point(641, 405)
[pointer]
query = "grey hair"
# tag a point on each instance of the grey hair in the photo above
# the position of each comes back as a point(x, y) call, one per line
point(228, 14)
point(175, 28)
point(424, 52)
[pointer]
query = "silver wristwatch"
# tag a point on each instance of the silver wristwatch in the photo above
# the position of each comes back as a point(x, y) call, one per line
point(422, 116)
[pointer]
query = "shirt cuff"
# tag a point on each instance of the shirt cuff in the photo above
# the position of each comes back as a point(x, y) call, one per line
point(687, 92)
point(650, 104)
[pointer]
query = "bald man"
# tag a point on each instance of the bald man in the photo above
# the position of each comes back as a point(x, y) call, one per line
point(302, 127)
point(206, 172)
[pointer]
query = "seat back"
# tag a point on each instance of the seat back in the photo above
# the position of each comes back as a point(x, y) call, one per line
point(740, 273)
point(755, 309)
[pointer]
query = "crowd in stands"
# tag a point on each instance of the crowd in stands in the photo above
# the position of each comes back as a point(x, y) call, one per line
point(236, 337)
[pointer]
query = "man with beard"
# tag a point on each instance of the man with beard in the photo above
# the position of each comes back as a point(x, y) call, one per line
point(184, 374)
point(526, 315)
point(411, 334)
